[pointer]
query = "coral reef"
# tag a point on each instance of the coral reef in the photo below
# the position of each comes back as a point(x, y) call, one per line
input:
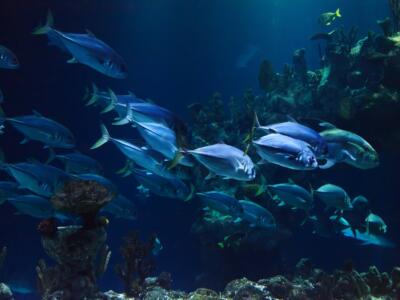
point(137, 264)
point(306, 283)
point(80, 251)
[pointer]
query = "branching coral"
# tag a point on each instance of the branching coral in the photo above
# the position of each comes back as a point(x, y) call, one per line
point(137, 263)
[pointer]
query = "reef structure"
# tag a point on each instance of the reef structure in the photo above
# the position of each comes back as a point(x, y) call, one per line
point(80, 252)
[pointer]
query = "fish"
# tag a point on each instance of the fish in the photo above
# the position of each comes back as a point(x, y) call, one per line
point(297, 131)
point(141, 111)
point(368, 239)
point(361, 204)
point(9, 189)
point(159, 137)
point(328, 17)
point(39, 178)
point(85, 49)
point(157, 248)
point(285, 151)
point(78, 163)
point(257, 215)
point(41, 129)
point(8, 60)
point(33, 205)
point(109, 101)
point(141, 156)
point(173, 188)
point(221, 202)
point(334, 197)
point(375, 224)
point(292, 195)
point(121, 208)
point(226, 161)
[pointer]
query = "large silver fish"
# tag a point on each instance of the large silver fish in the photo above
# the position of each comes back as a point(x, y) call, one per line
point(221, 202)
point(33, 205)
point(368, 239)
point(348, 147)
point(141, 156)
point(297, 131)
point(286, 152)
point(257, 215)
point(41, 179)
point(292, 195)
point(334, 197)
point(226, 161)
point(47, 131)
point(78, 163)
point(86, 49)
point(164, 187)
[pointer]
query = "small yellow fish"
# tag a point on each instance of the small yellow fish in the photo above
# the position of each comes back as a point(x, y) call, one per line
point(328, 17)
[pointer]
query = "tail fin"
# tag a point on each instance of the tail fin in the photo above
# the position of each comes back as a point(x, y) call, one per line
point(125, 120)
point(44, 29)
point(94, 95)
point(105, 137)
point(126, 170)
point(175, 161)
point(112, 104)
point(337, 13)
point(249, 137)
point(192, 192)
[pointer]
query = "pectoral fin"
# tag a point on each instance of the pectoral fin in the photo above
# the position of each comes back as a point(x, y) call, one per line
point(73, 60)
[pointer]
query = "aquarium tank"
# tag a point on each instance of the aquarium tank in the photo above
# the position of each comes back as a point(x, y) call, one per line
point(213, 149)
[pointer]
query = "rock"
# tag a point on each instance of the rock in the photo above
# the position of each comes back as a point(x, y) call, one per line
point(203, 294)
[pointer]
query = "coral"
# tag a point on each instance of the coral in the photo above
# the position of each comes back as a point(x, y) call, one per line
point(379, 283)
point(84, 198)
point(137, 263)
point(81, 257)
point(300, 65)
point(266, 76)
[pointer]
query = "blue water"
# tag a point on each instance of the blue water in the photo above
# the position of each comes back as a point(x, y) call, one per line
point(178, 52)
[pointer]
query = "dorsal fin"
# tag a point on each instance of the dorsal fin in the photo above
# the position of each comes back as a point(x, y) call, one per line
point(291, 119)
point(37, 114)
point(89, 33)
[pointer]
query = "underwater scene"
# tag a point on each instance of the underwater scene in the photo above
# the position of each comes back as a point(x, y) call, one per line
point(213, 149)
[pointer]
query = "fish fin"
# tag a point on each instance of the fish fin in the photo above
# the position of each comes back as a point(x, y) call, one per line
point(337, 13)
point(37, 114)
point(94, 95)
point(24, 141)
point(261, 162)
point(89, 33)
point(261, 189)
point(52, 155)
point(113, 101)
point(175, 161)
point(326, 125)
point(105, 137)
point(281, 204)
point(291, 119)
point(125, 120)
point(73, 60)
point(221, 245)
point(348, 154)
point(210, 176)
point(192, 192)
point(44, 29)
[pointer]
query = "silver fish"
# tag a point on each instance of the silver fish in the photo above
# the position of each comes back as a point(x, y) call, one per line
point(334, 197)
point(368, 239)
point(292, 195)
point(121, 208)
point(257, 215)
point(226, 161)
point(286, 152)
point(78, 163)
point(221, 202)
point(85, 49)
point(141, 156)
point(33, 205)
point(8, 60)
point(41, 179)
point(375, 224)
point(47, 131)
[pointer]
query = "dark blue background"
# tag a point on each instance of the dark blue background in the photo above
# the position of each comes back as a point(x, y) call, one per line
point(178, 52)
